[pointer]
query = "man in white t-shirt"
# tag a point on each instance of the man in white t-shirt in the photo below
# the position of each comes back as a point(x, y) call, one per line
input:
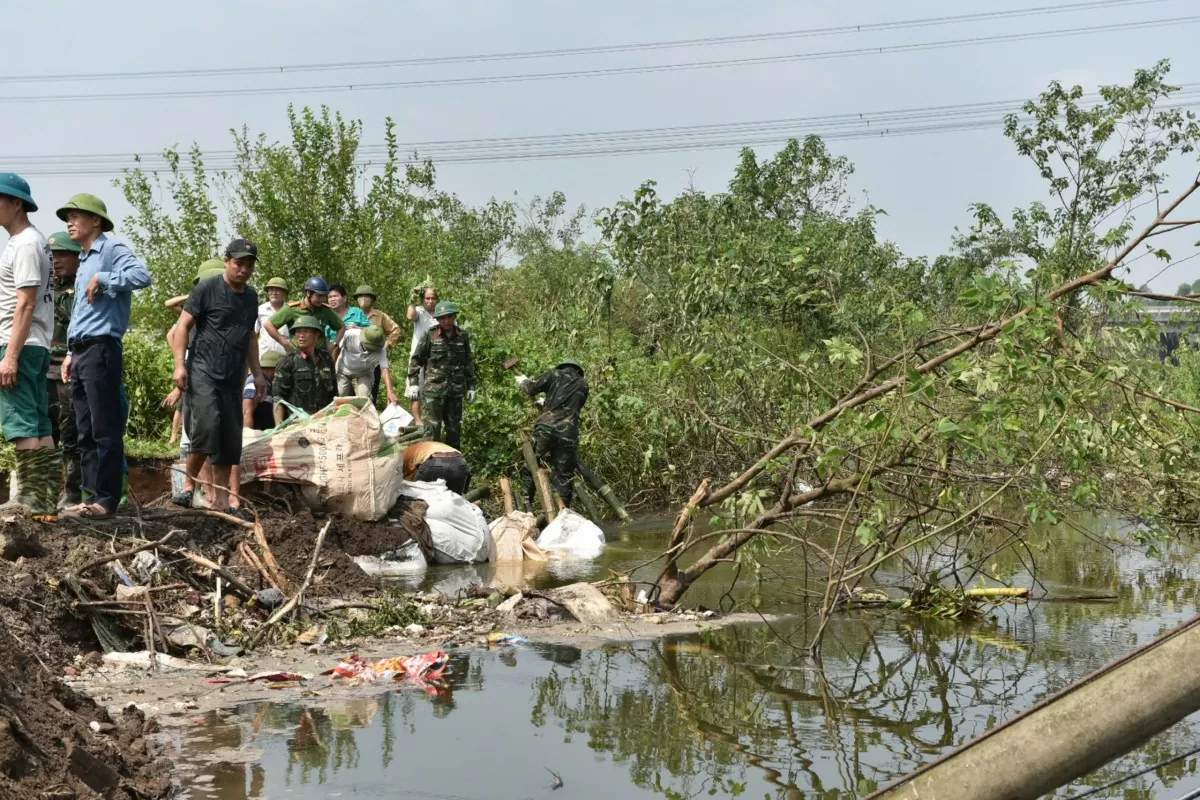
point(26, 331)
point(422, 319)
point(362, 351)
point(277, 293)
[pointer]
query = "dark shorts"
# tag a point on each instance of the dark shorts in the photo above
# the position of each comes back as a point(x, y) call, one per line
point(213, 420)
point(452, 469)
point(25, 409)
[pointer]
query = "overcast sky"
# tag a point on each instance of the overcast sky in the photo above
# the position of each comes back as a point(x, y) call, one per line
point(924, 182)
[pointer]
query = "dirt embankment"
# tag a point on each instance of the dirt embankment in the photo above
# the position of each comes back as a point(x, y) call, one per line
point(56, 744)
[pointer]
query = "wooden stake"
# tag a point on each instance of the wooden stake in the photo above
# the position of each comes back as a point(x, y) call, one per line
point(507, 494)
point(542, 478)
point(280, 581)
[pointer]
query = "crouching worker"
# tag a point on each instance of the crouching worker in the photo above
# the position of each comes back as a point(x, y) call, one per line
point(223, 309)
point(556, 432)
point(304, 377)
point(362, 354)
point(259, 412)
point(428, 460)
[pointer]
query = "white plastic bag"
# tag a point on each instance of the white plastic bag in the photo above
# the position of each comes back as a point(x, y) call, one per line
point(572, 535)
point(393, 419)
point(458, 529)
point(405, 560)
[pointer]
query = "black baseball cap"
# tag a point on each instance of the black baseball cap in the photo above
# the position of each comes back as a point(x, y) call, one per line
point(241, 247)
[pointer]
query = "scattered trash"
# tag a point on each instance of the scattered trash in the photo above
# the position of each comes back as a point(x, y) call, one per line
point(510, 605)
point(142, 659)
point(314, 635)
point(427, 666)
point(145, 564)
point(405, 560)
point(270, 599)
point(276, 677)
point(393, 418)
point(573, 535)
point(415, 630)
point(505, 639)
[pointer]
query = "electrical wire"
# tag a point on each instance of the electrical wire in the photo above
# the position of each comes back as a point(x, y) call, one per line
point(1132, 775)
point(601, 72)
point(591, 144)
point(1091, 5)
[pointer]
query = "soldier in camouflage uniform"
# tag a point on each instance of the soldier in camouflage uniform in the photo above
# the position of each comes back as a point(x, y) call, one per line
point(445, 355)
point(304, 377)
point(556, 432)
point(62, 405)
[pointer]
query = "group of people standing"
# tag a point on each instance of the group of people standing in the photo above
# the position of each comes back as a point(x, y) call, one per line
point(65, 304)
point(64, 310)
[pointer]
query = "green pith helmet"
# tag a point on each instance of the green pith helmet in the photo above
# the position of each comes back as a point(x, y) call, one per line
point(91, 204)
point(277, 283)
point(61, 243)
point(270, 359)
point(364, 289)
point(570, 362)
point(214, 266)
point(307, 321)
point(372, 338)
point(444, 309)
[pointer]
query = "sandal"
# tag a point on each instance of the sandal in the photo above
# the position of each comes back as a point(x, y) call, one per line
point(91, 511)
point(183, 498)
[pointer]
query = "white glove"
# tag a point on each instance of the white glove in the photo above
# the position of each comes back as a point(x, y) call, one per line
point(412, 391)
point(470, 395)
point(521, 381)
point(540, 402)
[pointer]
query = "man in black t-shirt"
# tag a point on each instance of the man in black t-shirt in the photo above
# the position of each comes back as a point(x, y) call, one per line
point(223, 310)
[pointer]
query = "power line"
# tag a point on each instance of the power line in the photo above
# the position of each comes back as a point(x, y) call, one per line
point(1036, 11)
point(905, 122)
point(604, 72)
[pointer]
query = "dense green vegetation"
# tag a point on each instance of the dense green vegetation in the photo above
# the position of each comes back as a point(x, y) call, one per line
point(715, 327)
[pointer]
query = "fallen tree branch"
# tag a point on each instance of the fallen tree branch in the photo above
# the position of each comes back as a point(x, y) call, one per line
point(130, 552)
point(291, 604)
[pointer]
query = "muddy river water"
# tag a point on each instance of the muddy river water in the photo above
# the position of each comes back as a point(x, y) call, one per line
point(736, 712)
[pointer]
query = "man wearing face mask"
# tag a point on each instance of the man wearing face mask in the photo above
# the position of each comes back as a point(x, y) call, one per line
point(65, 255)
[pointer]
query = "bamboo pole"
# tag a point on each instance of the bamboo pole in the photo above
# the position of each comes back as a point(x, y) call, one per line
point(539, 480)
point(1079, 729)
point(507, 494)
point(606, 493)
point(589, 502)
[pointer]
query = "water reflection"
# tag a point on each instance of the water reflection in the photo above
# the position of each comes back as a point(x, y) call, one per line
point(741, 710)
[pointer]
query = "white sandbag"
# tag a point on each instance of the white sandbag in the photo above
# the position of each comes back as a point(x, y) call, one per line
point(457, 528)
point(393, 419)
point(572, 535)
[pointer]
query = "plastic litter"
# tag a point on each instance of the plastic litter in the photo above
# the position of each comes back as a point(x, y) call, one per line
point(270, 598)
point(393, 418)
point(457, 529)
point(142, 659)
point(145, 564)
point(404, 560)
point(512, 537)
point(498, 639)
point(276, 677)
point(425, 667)
point(572, 535)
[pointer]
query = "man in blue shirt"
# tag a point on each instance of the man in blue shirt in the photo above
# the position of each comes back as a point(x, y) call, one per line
point(108, 275)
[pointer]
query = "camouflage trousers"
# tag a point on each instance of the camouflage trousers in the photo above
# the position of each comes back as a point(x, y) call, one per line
point(66, 436)
point(559, 452)
point(442, 417)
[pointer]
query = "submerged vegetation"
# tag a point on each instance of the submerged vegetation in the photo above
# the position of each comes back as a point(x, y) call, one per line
point(761, 349)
